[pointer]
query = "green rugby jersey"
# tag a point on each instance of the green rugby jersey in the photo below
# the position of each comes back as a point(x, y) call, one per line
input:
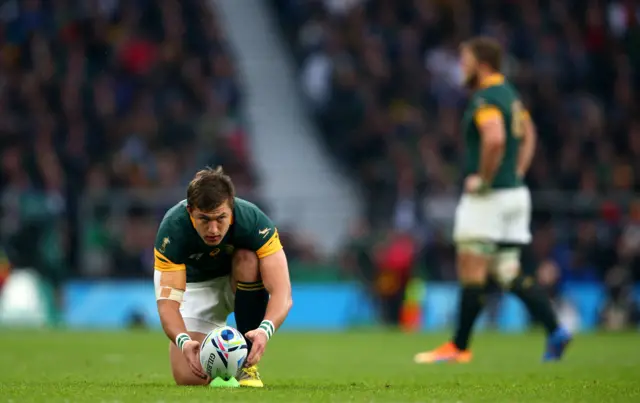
point(179, 247)
point(496, 97)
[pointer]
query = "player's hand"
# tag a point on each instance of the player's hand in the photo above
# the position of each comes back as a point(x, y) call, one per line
point(474, 184)
point(191, 351)
point(259, 342)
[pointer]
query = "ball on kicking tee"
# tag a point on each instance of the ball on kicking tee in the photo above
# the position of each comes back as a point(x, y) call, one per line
point(223, 352)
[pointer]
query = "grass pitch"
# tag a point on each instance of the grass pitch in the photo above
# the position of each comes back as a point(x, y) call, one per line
point(96, 367)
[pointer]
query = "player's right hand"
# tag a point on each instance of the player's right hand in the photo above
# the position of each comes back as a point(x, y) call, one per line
point(191, 351)
point(474, 184)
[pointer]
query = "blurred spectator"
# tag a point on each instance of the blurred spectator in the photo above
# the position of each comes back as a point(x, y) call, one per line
point(395, 260)
point(107, 108)
point(5, 267)
point(620, 310)
point(629, 243)
point(548, 276)
point(357, 256)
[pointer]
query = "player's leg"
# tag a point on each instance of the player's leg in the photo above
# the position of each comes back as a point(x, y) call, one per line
point(251, 300)
point(474, 259)
point(180, 368)
point(509, 273)
point(205, 307)
point(475, 226)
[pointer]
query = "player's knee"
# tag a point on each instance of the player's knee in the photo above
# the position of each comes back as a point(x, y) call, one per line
point(507, 266)
point(245, 266)
point(189, 380)
point(472, 279)
point(522, 283)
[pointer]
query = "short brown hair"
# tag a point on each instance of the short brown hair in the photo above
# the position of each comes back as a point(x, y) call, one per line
point(486, 50)
point(209, 189)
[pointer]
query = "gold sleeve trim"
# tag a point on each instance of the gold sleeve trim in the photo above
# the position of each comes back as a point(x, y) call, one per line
point(272, 246)
point(487, 113)
point(162, 263)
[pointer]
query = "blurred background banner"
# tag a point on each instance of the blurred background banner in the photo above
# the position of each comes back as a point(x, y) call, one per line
point(340, 119)
point(126, 304)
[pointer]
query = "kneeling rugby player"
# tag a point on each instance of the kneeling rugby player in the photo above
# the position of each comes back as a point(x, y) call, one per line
point(216, 254)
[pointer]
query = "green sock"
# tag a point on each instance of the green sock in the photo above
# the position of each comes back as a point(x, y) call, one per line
point(536, 302)
point(471, 303)
point(250, 306)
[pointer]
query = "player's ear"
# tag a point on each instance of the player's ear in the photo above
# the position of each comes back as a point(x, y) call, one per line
point(190, 209)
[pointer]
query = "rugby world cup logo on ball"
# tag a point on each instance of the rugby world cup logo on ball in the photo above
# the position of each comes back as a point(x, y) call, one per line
point(223, 352)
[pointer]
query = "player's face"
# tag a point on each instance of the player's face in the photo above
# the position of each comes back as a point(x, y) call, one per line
point(469, 67)
point(213, 225)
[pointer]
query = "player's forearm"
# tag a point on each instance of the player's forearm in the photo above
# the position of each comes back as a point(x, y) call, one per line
point(524, 158)
point(490, 159)
point(171, 319)
point(527, 149)
point(278, 307)
point(275, 277)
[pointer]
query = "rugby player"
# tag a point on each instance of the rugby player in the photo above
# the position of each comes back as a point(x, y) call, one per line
point(493, 216)
point(216, 254)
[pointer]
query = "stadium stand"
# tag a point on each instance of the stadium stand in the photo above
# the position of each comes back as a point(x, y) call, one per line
point(109, 98)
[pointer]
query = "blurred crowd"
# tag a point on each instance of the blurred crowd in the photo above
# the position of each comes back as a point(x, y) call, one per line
point(107, 107)
point(104, 103)
point(382, 79)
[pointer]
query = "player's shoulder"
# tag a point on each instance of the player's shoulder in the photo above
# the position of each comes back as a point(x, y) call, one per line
point(176, 218)
point(498, 95)
point(253, 230)
point(246, 214)
point(173, 234)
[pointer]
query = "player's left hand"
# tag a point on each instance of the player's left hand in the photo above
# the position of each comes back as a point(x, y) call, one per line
point(259, 342)
point(474, 184)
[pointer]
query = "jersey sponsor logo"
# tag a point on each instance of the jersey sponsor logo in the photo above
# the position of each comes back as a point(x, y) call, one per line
point(163, 247)
point(196, 256)
point(214, 252)
point(264, 232)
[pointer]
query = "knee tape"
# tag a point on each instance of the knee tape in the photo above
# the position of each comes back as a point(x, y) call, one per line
point(483, 248)
point(506, 266)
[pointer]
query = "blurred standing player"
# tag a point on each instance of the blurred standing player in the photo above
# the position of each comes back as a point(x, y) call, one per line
point(493, 215)
point(214, 254)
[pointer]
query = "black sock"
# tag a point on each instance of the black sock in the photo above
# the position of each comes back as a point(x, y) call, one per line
point(250, 306)
point(471, 303)
point(536, 302)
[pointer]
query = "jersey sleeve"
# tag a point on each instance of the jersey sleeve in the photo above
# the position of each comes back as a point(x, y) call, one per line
point(168, 250)
point(257, 232)
point(486, 110)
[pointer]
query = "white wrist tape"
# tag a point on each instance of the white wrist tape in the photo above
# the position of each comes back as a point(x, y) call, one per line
point(266, 326)
point(181, 339)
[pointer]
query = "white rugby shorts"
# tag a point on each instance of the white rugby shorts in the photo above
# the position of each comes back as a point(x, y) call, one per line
point(502, 215)
point(206, 305)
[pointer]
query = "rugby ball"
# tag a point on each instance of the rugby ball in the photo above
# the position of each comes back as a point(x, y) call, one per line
point(223, 353)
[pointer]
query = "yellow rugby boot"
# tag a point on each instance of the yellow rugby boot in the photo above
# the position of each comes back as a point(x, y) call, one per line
point(250, 377)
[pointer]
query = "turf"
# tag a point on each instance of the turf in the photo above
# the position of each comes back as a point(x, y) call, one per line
point(349, 367)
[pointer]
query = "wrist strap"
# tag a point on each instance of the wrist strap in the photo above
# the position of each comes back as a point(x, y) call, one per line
point(267, 327)
point(181, 339)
